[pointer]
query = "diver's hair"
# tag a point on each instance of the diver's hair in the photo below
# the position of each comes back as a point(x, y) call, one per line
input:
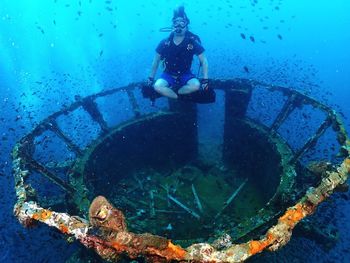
point(180, 12)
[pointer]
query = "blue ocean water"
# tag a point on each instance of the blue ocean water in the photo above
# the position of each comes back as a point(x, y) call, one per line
point(51, 51)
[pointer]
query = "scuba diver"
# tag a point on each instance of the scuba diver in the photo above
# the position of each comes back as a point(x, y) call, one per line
point(177, 51)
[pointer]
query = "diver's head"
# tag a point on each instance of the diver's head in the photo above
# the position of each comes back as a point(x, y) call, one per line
point(180, 21)
point(179, 25)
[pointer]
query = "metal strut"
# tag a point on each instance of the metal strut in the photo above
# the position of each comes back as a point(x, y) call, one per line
point(288, 107)
point(91, 107)
point(52, 177)
point(133, 102)
point(312, 140)
point(53, 126)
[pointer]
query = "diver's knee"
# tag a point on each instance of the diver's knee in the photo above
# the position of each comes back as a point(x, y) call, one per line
point(195, 87)
point(194, 84)
point(158, 88)
point(159, 85)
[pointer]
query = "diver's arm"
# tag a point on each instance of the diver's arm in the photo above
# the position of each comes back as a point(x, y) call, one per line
point(155, 65)
point(204, 62)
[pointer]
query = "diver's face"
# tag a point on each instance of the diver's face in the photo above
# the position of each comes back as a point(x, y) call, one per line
point(180, 25)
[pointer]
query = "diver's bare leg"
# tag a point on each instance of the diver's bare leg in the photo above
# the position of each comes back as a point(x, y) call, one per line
point(162, 87)
point(191, 86)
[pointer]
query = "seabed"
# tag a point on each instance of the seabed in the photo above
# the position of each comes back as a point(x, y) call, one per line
point(141, 189)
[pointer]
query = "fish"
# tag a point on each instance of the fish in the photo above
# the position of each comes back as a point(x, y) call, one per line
point(169, 227)
point(279, 36)
point(252, 38)
point(243, 36)
point(246, 69)
point(41, 30)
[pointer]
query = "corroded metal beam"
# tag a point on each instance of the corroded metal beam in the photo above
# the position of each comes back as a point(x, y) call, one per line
point(48, 174)
point(52, 125)
point(342, 138)
point(312, 140)
point(90, 107)
point(288, 107)
point(133, 102)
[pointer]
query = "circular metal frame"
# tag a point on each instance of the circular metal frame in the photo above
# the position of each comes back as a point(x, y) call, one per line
point(113, 238)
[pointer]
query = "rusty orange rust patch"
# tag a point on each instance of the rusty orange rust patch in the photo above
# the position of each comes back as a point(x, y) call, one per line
point(42, 215)
point(270, 238)
point(293, 215)
point(119, 247)
point(177, 250)
point(45, 214)
point(298, 214)
point(257, 246)
point(171, 252)
point(64, 229)
point(36, 216)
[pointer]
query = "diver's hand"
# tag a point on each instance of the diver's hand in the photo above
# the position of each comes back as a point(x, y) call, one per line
point(204, 84)
point(150, 81)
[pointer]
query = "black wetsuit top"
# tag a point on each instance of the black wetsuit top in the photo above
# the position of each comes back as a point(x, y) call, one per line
point(178, 58)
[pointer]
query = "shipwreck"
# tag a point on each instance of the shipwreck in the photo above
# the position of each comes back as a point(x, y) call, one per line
point(135, 182)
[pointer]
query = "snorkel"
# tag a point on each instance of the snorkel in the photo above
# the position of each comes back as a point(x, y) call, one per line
point(179, 21)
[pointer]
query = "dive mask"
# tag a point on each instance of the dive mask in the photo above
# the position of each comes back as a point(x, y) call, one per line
point(179, 24)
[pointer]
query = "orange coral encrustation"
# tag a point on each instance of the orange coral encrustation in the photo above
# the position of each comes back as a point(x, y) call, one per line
point(44, 214)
